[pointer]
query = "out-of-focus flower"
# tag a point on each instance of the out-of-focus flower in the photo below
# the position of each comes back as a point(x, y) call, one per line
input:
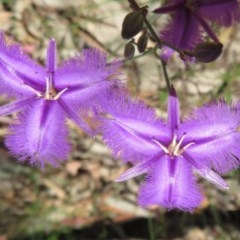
point(206, 143)
point(191, 17)
point(47, 96)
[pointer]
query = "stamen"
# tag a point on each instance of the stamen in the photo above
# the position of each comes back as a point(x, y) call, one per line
point(161, 146)
point(177, 148)
point(60, 94)
point(39, 94)
point(174, 141)
point(51, 93)
point(188, 145)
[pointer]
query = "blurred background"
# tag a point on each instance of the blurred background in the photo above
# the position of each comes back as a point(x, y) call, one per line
point(80, 200)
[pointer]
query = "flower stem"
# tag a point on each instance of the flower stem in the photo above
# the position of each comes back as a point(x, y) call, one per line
point(150, 227)
point(166, 76)
point(160, 42)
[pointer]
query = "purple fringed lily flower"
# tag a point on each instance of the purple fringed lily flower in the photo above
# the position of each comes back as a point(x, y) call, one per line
point(205, 143)
point(189, 17)
point(47, 96)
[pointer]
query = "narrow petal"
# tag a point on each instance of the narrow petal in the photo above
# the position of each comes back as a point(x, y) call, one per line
point(214, 178)
point(206, 173)
point(214, 129)
point(77, 118)
point(16, 106)
point(51, 60)
point(139, 169)
point(17, 70)
point(170, 184)
point(207, 28)
point(185, 35)
point(12, 84)
point(173, 110)
point(224, 12)
point(40, 135)
point(129, 128)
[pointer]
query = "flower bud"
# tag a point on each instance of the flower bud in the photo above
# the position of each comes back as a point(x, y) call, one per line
point(142, 42)
point(132, 24)
point(129, 50)
point(207, 52)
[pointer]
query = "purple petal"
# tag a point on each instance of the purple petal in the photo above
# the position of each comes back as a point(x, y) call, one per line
point(170, 184)
point(16, 106)
point(214, 178)
point(89, 96)
point(185, 35)
point(17, 70)
point(11, 84)
point(129, 129)
point(40, 134)
point(51, 62)
point(206, 173)
point(224, 12)
point(88, 77)
point(207, 28)
point(173, 110)
point(214, 130)
point(75, 117)
point(139, 169)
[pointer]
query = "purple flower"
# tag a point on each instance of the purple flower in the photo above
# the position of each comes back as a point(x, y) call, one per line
point(206, 143)
point(190, 17)
point(47, 96)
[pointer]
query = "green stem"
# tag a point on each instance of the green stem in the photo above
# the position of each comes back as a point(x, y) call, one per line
point(151, 30)
point(166, 76)
point(150, 227)
point(160, 43)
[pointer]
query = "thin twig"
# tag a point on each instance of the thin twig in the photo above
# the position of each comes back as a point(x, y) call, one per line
point(166, 76)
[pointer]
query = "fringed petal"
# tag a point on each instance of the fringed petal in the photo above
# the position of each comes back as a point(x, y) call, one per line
point(184, 35)
point(129, 129)
point(40, 135)
point(17, 71)
point(224, 12)
point(88, 78)
point(214, 129)
point(170, 184)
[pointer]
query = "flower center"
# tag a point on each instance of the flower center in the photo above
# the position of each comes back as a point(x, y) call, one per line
point(50, 92)
point(175, 148)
